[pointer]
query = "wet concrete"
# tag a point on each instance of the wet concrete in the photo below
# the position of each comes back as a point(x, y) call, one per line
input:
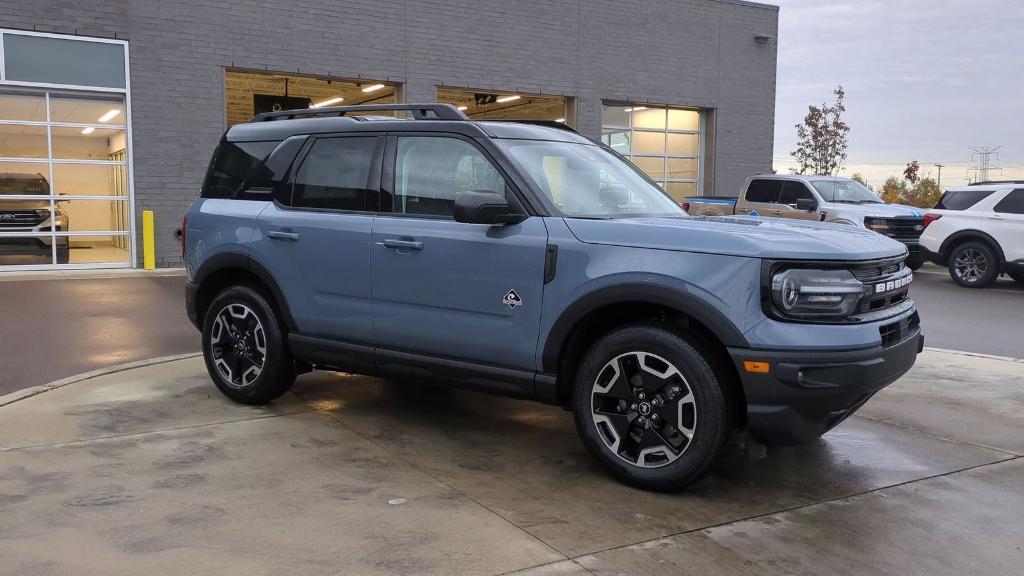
point(153, 471)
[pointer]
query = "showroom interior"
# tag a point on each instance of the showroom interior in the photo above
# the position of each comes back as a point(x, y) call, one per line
point(103, 119)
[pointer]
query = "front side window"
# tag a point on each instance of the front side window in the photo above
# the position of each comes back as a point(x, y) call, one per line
point(431, 171)
point(961, 199)
point(845, 192)
point(336, 174)
point(1013, 203)
point(583, 180)
point(793, 191)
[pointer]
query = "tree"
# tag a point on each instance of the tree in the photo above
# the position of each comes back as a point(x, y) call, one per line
point(822, 137)
point(922, 194)
point(893, 190)
point(911, 172)
point(858, 177)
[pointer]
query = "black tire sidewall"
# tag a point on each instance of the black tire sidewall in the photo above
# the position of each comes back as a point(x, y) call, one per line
point(714, 424)
point(278, 371)
point(991, 272)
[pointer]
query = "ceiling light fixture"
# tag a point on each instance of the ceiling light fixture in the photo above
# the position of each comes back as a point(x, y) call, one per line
point(109, 115)
point(559, 119)
point(88, 130)
point(509, 98)
point(373, 87)
point(328, 102)
point(635, 109)
point(461, 108)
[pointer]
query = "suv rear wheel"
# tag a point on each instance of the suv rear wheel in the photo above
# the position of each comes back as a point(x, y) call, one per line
point(649, 406)
point(244, 347)
point(973, 264)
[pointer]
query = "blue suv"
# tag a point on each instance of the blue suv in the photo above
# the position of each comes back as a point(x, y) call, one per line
point(523, 259)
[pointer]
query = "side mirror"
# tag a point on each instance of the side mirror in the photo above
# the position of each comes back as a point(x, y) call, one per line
point(807, 204)
point(481, 207)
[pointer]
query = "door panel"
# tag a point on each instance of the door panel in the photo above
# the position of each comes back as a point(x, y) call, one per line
point(1005, 222)
point(446, 297)
point(761, 196)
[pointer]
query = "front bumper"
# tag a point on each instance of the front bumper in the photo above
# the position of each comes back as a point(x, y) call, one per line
point(805, 394)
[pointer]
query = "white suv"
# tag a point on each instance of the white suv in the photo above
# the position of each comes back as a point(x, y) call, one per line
point(978, 232)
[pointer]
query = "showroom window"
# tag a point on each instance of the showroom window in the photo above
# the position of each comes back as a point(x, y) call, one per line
point(65, 183)
point(664, 142)
point(250, 93)
point(490, 105)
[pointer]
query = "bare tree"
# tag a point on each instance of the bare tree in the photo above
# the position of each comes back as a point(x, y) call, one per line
point(822, 138)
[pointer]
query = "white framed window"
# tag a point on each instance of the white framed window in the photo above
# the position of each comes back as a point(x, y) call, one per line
point(66, 192)
point(664, 141)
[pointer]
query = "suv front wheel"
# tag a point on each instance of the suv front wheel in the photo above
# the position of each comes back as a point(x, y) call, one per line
point(244, 347)
point(973, 265)
point(650, 407)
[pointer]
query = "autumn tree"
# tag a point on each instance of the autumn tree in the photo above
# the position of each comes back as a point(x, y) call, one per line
point(858, 177)
point(912, 172)
point(822, 137)
point(894, 190)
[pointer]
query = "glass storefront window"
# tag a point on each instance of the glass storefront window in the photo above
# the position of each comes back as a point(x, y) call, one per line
point(22, 106)
point(90, 179)
point(22, 141)
point(490, 105)
point(664, 142)
point(68, 61)
point(78, 109)
point(89, 143)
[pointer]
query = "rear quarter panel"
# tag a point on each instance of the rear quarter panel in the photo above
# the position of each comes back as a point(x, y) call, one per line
point(217, 226)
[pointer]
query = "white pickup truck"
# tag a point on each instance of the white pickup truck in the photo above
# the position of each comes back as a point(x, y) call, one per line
point(819, 198)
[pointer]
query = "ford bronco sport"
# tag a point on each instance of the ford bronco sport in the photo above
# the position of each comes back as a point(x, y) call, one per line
point(526, 260)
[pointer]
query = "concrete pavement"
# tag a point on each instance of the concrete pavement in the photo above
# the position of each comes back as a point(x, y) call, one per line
point(152, 471)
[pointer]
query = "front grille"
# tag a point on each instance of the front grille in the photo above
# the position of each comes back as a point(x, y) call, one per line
point(904, 229)
point(898, 331)
point(879, 273)
point(20, 219)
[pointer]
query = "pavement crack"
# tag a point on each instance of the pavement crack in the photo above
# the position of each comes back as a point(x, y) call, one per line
point(932, 434)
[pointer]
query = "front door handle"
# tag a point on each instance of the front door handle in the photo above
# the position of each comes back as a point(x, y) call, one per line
point(279, 235)
point(403, 244)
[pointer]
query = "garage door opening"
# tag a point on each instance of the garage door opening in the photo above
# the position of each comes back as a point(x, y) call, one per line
point(490, 105)
point(252, 93)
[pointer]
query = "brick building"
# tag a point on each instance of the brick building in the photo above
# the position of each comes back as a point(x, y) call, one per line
point(111, 108)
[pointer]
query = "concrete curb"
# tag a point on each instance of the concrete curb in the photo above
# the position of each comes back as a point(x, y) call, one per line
point(34, 390)
point(975, 354)
point(89, 274)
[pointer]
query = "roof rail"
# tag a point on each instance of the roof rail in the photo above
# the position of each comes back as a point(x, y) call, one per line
point(993, 182)
point(419, 112)
point(548, 123)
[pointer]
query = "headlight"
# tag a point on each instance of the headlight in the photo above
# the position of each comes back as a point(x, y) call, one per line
point(805, 293)
point(43, 213)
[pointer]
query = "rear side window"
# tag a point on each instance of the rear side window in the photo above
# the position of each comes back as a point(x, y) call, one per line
point(232, 164)
point(961, 199)
point(1013, 203)
point(336, 174)
point(766, 191)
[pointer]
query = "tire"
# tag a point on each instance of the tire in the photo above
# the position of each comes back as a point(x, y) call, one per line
point(915, 264)
point(973, 265)
point(690, 410)
point(244, 347)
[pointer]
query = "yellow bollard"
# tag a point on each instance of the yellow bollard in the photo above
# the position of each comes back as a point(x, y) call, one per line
point(148, 241)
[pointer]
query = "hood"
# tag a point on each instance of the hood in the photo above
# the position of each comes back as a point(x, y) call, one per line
point(883, 210)
point(740, 236)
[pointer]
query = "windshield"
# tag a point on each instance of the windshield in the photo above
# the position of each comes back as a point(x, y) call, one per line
point(587, 181)
point(845, 191)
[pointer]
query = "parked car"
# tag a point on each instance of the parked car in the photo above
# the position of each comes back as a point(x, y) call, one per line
point(31, 217)
point(529, 261)
point(977, 232)
point(820, 198)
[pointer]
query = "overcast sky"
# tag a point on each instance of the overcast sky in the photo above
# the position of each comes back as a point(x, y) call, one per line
point(924, 80)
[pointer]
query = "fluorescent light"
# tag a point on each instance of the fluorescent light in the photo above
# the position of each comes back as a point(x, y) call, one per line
point(373, 87)
point(109, 115)
point(88, 130)
point(327, 102)
point(461, 108)
point(635, 109)
point(509, 98)
point(560, 120)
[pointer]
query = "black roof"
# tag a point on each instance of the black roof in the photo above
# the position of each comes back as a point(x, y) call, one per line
point(278, 126)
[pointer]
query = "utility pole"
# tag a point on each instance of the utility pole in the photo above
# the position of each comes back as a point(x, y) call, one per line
point(984, 154)
point(939, 166)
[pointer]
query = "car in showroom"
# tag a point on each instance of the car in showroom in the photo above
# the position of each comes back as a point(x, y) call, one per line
point(526, 260)
point(27, 221)
point(977, 233)
point(820, 198)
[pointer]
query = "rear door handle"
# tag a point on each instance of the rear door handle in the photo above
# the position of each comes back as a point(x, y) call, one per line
point(403, 244)
point(279, 235)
